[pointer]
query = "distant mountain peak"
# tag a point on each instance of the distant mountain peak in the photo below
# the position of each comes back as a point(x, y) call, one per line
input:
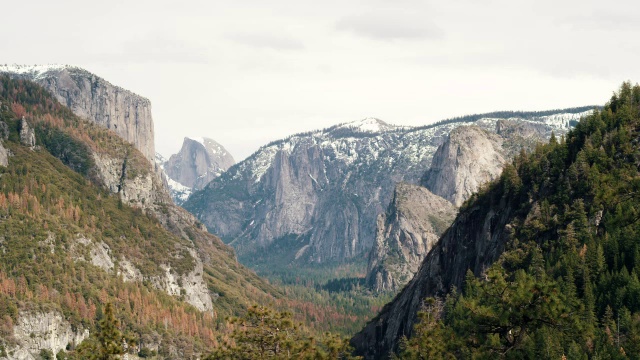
point(370, 124)
point(199, 139)
point(199, 161)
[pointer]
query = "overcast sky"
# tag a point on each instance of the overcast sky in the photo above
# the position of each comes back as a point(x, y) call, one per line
point(248, 72)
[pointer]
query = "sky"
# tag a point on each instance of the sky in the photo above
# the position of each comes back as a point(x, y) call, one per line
point(247, 72)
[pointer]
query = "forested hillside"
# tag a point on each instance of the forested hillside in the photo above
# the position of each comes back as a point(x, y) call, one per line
point(68, 246)
point(541, 264)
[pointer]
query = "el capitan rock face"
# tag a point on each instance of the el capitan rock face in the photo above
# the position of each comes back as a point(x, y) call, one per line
point(95, 99)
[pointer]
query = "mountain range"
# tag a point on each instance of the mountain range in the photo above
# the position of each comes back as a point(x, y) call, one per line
point(314, 198)
point(465, 219)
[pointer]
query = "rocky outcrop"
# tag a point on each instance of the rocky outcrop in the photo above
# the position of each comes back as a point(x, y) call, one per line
point(128, 271)
point(4, 152)
point(474, 241)
point(468, 158)
point(191, 285)
point(199, 161)
point(4, 129)
point(408, 230)
point(93, 98)
point(27, 135)
point(4, 155)
point(44, 330)
point(136, 186)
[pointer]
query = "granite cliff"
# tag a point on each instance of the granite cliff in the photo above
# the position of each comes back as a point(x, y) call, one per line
point(199, 161)
point(411, 226)
point(470, 157)
point(474, 241)
point(95, 99)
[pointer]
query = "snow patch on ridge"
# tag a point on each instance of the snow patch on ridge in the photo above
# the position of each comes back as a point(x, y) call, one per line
point(181, 191)
point(369, 124)
point(35, 71)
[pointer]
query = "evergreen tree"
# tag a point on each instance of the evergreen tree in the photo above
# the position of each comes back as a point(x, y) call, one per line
point(110, 338)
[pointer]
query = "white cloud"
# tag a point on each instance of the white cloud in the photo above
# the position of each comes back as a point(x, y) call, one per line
point(390, 26)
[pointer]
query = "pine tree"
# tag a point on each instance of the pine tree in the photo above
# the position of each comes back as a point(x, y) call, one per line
point(109, 336)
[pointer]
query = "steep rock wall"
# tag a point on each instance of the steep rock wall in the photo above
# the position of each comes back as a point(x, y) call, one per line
point(93, 98)
point(408, 230)
point(474, 241)
point(43, 330)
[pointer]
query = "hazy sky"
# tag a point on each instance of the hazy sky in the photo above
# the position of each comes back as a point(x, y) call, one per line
point(248, 72)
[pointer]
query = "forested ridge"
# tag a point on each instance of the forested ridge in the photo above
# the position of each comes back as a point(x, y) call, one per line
point(566, 286)
point(52, 208)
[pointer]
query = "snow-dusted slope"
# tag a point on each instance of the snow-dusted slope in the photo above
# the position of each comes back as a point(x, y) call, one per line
point(325, 188)
point(34, 71)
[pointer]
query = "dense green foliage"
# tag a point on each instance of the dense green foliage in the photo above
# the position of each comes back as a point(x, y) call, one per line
point(109, 337)
point(326, 297)
point(567, 286)
point(264, 333)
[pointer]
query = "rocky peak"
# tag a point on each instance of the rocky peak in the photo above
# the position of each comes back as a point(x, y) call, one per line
point(93, 98)
point(469, 157)
point(199, 161)
point(27, 135)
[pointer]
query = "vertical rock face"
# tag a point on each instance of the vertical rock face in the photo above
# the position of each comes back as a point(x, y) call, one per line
point(95, 99)
point(468, 158)
point(27, 135)
point(4, 152)
point(47, 330)
point(474, 241)
point(198, 162)
point(4, 155)
point(134, 185)
point(411, 226)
